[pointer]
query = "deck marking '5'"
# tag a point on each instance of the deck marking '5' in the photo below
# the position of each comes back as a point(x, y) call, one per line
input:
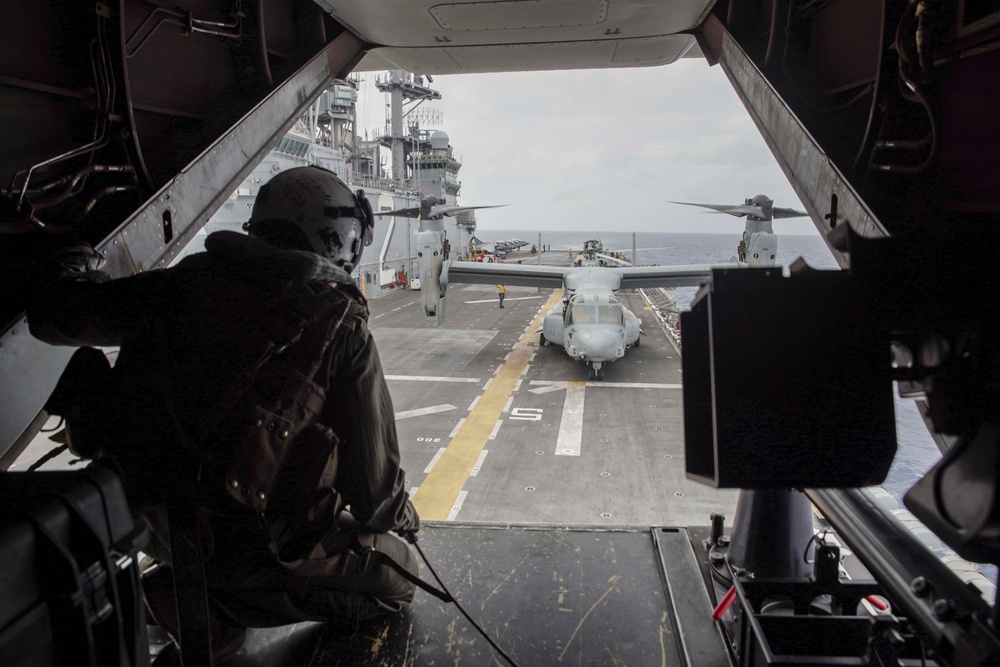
point(438, 494)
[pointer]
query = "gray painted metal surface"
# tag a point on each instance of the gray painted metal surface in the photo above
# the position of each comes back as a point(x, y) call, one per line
point(699, 637)
point(29, 370)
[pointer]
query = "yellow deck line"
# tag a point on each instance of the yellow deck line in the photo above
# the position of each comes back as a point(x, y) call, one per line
point(439, 492)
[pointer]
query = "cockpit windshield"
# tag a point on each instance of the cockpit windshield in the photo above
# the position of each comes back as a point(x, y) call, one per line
point(582, 314)
point(609, 315)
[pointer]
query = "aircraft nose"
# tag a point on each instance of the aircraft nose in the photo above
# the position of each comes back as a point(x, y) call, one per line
point(599, 345)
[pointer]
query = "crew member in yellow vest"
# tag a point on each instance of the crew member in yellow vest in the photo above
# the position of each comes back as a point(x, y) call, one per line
point(502, 291)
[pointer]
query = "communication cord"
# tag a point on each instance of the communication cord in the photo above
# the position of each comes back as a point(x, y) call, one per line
point(411, 537)
point(48, 457)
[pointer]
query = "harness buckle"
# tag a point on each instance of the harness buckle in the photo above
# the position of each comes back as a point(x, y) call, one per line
point(365, 559)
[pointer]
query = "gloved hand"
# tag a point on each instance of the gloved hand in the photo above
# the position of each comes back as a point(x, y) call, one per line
point(409, 525)
point(78, 259)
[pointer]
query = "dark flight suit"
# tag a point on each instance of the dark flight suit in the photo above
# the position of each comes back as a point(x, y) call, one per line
point(180, 331)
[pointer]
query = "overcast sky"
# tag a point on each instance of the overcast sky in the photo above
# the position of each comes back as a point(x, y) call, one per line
point(604, 150)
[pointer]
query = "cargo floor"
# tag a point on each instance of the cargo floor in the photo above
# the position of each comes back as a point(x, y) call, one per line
point(547, 595)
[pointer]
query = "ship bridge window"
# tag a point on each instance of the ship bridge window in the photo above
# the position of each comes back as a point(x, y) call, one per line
point(293, 147)
point(610, 315)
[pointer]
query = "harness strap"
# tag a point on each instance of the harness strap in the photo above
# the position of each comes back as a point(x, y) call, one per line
point(369, 557)
point(348, 562)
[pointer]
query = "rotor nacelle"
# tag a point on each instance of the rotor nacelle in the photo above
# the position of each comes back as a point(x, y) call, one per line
point(433, 273)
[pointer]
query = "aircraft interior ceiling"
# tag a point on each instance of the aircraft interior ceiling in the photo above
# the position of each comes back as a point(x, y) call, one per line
point(126, 123)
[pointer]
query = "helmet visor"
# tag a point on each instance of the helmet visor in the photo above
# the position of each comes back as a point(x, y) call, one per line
point(367, 217)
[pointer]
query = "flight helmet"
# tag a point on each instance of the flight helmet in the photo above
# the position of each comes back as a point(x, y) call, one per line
point(310, 208)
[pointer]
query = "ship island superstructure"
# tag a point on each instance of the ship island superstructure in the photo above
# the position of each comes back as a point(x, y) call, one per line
point(403, 163)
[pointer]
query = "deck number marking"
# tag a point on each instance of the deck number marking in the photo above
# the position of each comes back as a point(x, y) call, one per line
point(527, 414)
point(442, 491)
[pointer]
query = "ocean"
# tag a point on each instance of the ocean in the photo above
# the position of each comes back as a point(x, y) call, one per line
point(916, 452)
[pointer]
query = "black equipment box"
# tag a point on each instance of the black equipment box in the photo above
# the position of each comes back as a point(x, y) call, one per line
point(787, 383)
point(69, 574)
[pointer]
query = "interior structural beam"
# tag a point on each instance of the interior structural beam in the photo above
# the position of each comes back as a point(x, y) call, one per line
point(826, 193)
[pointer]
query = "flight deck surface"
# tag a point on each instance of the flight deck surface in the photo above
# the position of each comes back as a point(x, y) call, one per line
point(494, 427)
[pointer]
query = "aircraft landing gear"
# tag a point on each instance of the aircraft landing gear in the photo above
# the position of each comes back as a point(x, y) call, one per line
point(541, 340)
point(596, 372)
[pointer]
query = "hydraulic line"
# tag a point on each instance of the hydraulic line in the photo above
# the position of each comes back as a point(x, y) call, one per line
point(912, 91)
point(75, 183)
point(233, 30)
point(106, 89)
point(101, 194)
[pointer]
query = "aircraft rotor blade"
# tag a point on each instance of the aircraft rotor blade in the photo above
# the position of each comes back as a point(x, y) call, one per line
point(625, 250)
point(748, 209)
point(736, 210)
point(689, 275)
point(401, 212)
point(526, 275)
point(450, 210)
point(788, 213)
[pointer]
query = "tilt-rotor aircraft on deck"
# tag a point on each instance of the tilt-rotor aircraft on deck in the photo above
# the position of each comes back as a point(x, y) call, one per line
point(128, 123)
point(594, 254)
point(508, 245)
point(591, 324)
point(759, 245)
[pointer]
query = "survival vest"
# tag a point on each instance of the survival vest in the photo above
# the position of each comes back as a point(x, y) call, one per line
point(286, 461)
point(282, 462)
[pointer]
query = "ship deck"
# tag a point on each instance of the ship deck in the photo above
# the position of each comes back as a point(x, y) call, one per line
point(524, 437)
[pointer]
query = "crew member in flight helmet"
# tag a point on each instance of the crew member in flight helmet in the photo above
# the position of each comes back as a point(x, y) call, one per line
point(282, 301)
